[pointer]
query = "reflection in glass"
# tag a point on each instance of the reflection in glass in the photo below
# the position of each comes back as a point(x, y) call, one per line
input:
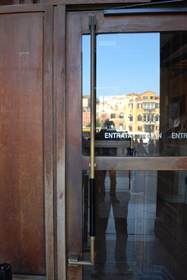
point(141, 94)
point(141, 225)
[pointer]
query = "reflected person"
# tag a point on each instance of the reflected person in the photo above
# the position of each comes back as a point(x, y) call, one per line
point(140, 148)
point(117, 229)
point(107, 202)
point(151, 148)
point(109, 126)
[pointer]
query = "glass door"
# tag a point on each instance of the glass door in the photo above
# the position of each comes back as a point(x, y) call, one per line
point(140, 146)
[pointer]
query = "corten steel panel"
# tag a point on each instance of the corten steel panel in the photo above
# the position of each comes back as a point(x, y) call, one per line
point(28, 1)
point(138, 23)
point(137, 163)
point(48, 139)
point(23, 8)
point(73, 142)
point(21, 143)
point(93, 2)
point(6, 2)
point(59, 141)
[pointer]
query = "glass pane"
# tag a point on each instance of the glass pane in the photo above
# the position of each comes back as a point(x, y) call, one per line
point(141, 225)
point(140, 94)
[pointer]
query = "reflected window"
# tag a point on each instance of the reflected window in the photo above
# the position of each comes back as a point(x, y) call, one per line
point(121, 125)
point(157, 118)
point(130, 118)
point(139, 118)
point(149, 128)
point(139, 106)
point(148, 105)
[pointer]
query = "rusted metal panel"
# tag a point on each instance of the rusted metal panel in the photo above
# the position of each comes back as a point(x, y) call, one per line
point(23, 8)
point(28, 1)
point(21, 141)
point(140, 23)
point(73, 142)
point(27, 277)
point(59, 140)
point(48, 140)
point(6, 2)
point(93, 2)
point(137, 163)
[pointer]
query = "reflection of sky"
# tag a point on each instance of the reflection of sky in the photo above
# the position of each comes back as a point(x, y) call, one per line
point(126, 63)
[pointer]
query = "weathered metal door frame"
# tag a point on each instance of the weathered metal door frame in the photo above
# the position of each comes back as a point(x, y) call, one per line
point(77, 25)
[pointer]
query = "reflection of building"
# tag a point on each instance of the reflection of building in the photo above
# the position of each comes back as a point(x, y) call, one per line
point(133, 112)
point(86, 110)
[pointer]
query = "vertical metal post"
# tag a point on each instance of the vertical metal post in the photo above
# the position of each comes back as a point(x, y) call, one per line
point(73, 258)
point(92, 24)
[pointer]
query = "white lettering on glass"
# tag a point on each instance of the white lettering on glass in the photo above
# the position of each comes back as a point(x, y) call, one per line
point(116, 135)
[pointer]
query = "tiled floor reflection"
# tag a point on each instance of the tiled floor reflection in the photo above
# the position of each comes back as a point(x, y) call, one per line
point(128, 243)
